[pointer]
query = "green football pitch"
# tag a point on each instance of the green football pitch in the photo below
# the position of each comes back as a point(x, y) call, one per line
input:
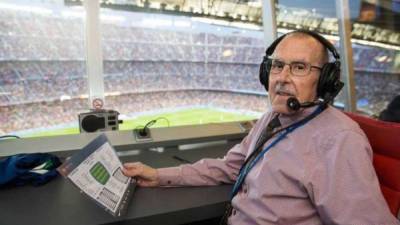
point(175, 118)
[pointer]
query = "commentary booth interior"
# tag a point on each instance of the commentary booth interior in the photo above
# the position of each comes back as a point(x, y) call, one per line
point(183, 72)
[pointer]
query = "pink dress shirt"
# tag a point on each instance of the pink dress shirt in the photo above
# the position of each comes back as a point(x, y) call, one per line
point(321, 173)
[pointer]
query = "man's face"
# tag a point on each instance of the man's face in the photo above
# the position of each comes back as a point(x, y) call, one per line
point(284, 85)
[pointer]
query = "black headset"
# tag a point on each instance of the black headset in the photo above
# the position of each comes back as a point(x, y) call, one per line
point(329, 84)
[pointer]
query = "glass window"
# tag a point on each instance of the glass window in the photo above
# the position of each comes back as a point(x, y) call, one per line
point(42, 68)
point(375, 50)
point(191, 63)
point(187, 69)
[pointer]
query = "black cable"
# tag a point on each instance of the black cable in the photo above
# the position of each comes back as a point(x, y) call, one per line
point(144, 130)
point(164, 118)
point(181, 159)
point(9, 136)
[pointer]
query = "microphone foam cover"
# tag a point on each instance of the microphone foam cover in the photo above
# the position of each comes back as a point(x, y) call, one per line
point(293, 104)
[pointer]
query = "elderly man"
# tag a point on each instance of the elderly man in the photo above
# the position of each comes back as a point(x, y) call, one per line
point(304, 162)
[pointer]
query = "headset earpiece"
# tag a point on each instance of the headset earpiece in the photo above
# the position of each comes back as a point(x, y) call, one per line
point(264, 72)
point(328, 80)
point(265, 66)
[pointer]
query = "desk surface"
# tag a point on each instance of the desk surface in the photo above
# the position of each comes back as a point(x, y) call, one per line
point(59, 202)
point(125, 140)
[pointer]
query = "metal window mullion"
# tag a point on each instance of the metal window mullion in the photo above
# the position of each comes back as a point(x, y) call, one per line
point(343, 14)
point(269, 21)
point(94, 58)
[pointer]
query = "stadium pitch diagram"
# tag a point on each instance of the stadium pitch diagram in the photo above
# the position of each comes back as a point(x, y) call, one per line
point(96, 171)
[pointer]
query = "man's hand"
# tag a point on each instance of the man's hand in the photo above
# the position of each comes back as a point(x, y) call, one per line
point(146, 176)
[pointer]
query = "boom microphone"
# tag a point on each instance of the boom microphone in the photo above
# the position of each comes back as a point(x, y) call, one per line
point(294, 104)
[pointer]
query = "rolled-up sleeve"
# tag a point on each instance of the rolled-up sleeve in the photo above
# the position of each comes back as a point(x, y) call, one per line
point(343, 184)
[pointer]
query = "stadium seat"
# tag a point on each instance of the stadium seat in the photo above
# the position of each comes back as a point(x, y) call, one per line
point(385, 142)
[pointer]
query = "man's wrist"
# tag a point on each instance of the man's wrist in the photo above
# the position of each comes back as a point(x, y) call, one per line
point(168, 176)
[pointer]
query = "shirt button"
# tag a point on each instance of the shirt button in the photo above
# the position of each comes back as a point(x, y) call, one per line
point(245, 188)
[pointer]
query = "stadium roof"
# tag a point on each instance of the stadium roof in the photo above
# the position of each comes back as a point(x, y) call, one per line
point(249, 13)
point(232, 10)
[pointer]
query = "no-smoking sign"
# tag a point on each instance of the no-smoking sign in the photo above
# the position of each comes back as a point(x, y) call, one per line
point(97, 103)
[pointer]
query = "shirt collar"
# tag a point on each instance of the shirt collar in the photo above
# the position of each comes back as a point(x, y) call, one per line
point(287, 120)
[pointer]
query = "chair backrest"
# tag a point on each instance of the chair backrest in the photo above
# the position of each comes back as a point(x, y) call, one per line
point(384, 138)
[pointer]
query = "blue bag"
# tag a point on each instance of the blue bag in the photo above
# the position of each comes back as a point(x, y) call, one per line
point(22, 169)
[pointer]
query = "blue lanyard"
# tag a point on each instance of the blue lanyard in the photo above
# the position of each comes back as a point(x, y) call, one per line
point(246, 168)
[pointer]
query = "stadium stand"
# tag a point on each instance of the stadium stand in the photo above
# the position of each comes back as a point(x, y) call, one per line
point(42, 60)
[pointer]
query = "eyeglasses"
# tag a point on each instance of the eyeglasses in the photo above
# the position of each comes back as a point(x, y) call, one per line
point(296, 68)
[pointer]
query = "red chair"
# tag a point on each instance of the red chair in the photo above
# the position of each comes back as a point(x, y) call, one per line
point(385, 142)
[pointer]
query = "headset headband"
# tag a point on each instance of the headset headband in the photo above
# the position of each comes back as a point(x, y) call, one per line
point(318, 37)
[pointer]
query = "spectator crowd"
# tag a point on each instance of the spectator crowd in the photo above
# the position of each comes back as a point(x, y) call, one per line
point(42, 70)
